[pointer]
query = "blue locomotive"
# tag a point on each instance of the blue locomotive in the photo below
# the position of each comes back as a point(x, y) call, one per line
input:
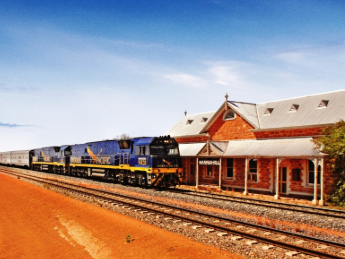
point(146, 161)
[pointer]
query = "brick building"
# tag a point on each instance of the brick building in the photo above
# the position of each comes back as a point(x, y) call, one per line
point(261, 148)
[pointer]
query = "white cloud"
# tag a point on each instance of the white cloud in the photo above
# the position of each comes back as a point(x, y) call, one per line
point(291, 56)
point(317, 57)
point(225, 75)
point(186, 79)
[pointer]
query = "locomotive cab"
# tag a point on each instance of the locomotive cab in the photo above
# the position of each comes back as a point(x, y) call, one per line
point(166, 163)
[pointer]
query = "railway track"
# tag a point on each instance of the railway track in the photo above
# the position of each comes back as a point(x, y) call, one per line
point(267, 204)
point(234, 230)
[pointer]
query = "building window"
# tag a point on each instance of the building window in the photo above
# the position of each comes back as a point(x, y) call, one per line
point(189, 122)
point(294, 108)
point(268, 111)
point(209, 172)
point(229, 115)
point(311, 173)
point(229, 167)
point(253, 170)
point(204, 119)
point(296, 174)
point(323, 104)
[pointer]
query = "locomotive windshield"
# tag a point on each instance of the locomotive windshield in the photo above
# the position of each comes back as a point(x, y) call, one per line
point(164, 150)
point(164, 146)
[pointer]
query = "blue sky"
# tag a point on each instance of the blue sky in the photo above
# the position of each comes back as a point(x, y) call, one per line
point(78, 71)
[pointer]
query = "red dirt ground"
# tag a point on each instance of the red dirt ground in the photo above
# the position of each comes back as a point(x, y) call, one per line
point(38, 223)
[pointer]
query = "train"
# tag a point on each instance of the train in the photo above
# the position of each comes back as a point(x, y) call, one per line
point(142, 161)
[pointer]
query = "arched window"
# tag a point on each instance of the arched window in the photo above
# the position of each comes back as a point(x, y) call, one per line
point(229, 115)
point(311, 173)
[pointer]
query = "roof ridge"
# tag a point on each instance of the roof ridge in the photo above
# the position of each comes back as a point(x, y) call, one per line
point(241, 102)
point(310, 95)
point(198, 113)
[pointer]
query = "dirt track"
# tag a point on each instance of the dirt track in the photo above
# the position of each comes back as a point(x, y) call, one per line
point(38, 223)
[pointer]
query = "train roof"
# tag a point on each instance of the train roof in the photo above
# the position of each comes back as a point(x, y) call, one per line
point(108, 140)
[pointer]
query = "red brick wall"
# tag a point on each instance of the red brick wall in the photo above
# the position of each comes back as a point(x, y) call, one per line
point(266, 168)
point(230, 129)
point(264, 173)
point(288, 133)
point(330, 177)
point(204, 179)
point(297, 186)
point(191, 139)
point(238, 172)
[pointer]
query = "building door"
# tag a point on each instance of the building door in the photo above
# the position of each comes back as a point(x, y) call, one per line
point(282, 179)
point(192, 174)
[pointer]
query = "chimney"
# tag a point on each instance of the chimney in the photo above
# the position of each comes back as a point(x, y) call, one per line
point(185, 113)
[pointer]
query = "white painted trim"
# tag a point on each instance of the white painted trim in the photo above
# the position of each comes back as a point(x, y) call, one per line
point(301, 193)
point(249, 188)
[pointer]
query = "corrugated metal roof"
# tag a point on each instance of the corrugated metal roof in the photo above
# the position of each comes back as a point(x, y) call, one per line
point(190, 124)
point(307, 114)
point(247, 111)
point(292, 147)
point(21, 151)
point(221, 145)
point(191, 149)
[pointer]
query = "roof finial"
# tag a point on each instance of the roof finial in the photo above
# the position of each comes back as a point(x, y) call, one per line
point(226, 101)
point(185, 113)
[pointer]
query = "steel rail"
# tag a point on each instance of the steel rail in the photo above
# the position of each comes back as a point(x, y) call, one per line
point(277, 205)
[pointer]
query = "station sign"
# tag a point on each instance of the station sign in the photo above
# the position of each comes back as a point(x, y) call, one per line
point(209, 162)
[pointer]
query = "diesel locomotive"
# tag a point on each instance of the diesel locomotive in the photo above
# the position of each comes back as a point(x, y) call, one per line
point(145, 161)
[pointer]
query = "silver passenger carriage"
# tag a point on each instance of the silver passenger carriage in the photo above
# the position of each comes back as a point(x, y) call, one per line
point(5, 158)
point(20, 158)
point(16, 158)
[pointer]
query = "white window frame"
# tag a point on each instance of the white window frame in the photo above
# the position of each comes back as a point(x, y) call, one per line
point(308, 172)
point(227, 167)
point(251, 174)
point(226, 114)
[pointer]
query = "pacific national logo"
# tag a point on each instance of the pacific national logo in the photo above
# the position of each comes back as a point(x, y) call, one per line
point(45, 158)
point(92, 155)
point(167, 162)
